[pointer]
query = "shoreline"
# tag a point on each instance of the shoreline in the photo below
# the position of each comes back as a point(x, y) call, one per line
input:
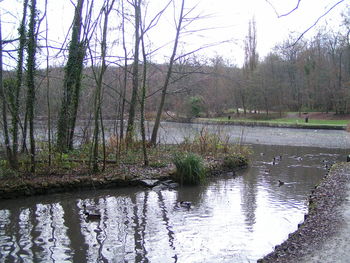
point(122, 176)
point(266, 124)
point(44, 184)
point(322, 222)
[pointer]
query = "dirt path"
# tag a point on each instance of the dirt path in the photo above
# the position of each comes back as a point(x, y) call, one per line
point(325, 234)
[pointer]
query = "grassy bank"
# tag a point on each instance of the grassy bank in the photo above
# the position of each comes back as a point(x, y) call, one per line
point(71, 171)
point(281, 122)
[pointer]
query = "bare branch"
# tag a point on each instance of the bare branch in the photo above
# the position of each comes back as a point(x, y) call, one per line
point(316, 22)
point(286, 14)
point(295, 8)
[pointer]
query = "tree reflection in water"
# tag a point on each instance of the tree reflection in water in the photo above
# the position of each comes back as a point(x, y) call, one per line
point(232, 218)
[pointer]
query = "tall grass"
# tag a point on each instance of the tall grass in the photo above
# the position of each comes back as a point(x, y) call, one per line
point(190, 168)
point(214, 144)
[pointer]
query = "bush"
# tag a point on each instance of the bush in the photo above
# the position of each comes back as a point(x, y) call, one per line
point(6, 171)
point(190, 168)
point(194, 107)
point(234, 161)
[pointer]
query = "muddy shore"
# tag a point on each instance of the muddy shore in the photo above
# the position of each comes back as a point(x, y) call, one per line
point(323, 222)
point(113, 176)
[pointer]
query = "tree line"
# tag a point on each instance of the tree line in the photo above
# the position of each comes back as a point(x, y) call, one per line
point(108, 72)
point(88, 51)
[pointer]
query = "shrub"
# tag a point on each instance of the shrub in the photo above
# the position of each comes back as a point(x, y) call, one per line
point(214, 144)
point(6, 171)
point(234, 161)
point(190, 168)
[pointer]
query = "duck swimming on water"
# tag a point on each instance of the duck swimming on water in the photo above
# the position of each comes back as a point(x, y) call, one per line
point(90, 216)
point(91, 213)
point(280, 183)
point(185, 204)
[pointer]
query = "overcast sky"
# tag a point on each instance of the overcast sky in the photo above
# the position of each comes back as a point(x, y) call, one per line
point(271, 29)
point(229, 17)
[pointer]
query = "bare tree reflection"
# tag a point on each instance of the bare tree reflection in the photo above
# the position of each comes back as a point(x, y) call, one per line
point(249, 205)
point(72, 220)
point(139, 229)
point(168, 227)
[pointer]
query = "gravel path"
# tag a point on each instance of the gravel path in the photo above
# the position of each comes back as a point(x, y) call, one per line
point(325, 234)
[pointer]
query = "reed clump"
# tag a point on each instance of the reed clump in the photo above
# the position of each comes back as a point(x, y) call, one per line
point(190, 168)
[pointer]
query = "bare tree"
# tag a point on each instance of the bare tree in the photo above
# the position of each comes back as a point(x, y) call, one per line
point(19, 81)
point(11, 93)
point(181, 18)
point(4, 102)
point(48, 88)
point(249, 94)
point(106, 9)
point(135, 72)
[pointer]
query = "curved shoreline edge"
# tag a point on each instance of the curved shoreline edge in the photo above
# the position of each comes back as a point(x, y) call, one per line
point(132, 176)
point(266, 124)
point(323, 221)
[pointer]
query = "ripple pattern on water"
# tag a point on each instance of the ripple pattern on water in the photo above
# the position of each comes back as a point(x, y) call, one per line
point(232, 218)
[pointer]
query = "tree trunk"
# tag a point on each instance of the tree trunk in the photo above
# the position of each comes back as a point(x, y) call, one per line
point(30, 80)
point(48, 89)
point(123, 92)
point(19, 80)
point(4, 105)
point(135, 75)
point(99, 83)
point(72, 85)
point(142, 102)
point(167, 78)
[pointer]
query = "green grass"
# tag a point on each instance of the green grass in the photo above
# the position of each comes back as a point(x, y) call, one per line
point(311, 121)
point(190, 168)
point(292, 121)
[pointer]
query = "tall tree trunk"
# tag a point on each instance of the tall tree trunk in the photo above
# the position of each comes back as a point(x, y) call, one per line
point(4, 105)
point(48, 88)
point(167, 78)
point(19, 80)
point(24, 133)
point(142, 102)
point(72, 84)
point(99, 83)
point(30, 80)
point(135, 75)
point(123, 92)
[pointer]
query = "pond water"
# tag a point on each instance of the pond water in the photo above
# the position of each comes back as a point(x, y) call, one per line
point(175, 132)
point(233, 218)
point(172, 132)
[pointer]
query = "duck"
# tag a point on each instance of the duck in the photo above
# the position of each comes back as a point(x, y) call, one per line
point(90, 216)
point(280, 183)
point(185, 204)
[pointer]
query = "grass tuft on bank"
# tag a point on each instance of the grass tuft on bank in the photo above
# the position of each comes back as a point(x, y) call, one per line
point(190, 169)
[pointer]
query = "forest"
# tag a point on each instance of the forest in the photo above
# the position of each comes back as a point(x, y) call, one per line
point(106, 70)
